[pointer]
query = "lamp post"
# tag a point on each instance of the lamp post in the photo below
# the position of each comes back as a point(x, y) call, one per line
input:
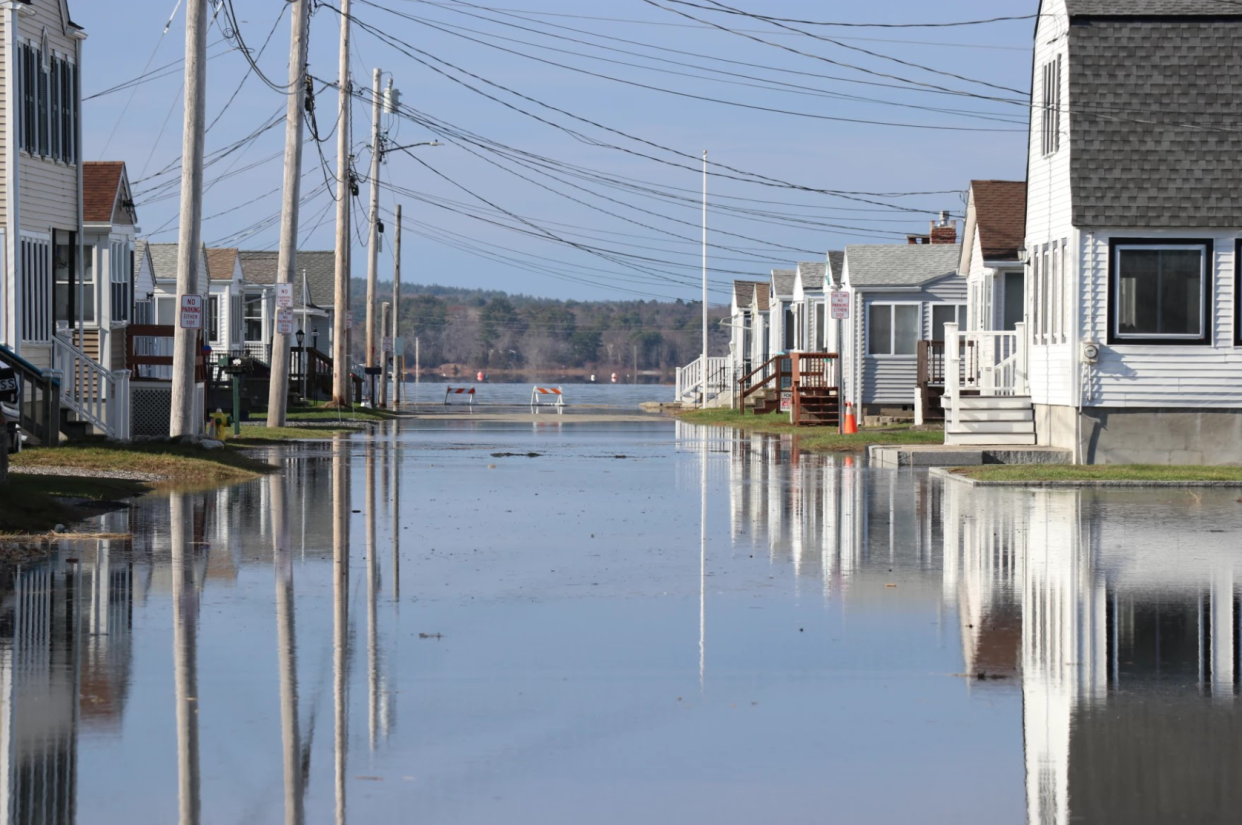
point(301, 336)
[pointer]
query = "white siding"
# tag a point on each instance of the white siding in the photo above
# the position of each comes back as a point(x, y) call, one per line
point(4, 115)
point(1137, 376)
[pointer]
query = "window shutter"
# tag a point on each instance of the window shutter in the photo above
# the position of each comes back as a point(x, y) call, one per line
point(1056, 138)
point(44, 114)
point(54, 88)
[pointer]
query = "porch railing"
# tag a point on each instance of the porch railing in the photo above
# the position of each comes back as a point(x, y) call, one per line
point(98, 396)
point(991, 363)
point(695, 382)
point(38, 403)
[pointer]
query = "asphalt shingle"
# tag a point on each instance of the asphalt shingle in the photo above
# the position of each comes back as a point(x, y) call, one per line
point(897, 265)
point(783, 282)
point(320, 269)
point(812, 274)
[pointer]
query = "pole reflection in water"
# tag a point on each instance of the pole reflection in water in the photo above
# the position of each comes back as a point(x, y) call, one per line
point(396, 518)
point(286, 644)
point(340, 615)
point(372, 596)
point(185, 656)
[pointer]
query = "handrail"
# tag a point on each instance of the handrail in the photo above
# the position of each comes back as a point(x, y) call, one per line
point(40, 413)
point(94, 393)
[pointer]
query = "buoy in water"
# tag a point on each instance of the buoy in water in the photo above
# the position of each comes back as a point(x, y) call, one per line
point(592, 379)
point(482, 377)
point(614, 378)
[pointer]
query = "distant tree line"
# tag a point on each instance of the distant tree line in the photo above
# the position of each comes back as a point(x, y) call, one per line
point(483, 329)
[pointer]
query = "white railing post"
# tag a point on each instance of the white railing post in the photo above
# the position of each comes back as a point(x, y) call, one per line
point(952, 372)
point(121, 423)
point(677, 394)
point(1021, 368)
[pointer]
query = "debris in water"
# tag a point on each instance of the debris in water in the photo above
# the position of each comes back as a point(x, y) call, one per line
point(431, 635)
point(517, 455)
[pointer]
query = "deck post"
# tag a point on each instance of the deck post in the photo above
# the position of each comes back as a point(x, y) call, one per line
point(952, 374)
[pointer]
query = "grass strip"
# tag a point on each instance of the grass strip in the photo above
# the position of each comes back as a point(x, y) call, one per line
point(181, 464)
point(1038, 473)
point(814, 439)
point(319, 412)
point(260, 436)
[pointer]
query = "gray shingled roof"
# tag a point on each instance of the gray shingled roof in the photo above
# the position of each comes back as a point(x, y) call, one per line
point(836, 265)
point(1180, 167)
point(897, 265)
point(164, 263)
point(783, 282)
point(812, 274)
point(320, 267)
point(1167, 8)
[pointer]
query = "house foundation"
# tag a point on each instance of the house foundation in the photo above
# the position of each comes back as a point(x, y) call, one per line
point(1144, 436)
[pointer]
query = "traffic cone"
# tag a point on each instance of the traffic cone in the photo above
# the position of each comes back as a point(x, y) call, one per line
point(851, 423)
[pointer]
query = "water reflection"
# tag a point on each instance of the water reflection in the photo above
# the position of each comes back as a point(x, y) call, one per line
point(1101, 629)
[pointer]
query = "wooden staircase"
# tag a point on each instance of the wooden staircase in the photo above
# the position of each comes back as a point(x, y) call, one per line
point(992, 420)
point(810, 378)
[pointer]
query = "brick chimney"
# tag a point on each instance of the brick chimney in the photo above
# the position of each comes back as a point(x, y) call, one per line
point(944, 231)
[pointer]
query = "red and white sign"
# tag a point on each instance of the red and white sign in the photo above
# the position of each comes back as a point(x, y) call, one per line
point(284, 296)
point(191, 311)
point(840, 302)
point(284, 321)
point(786, 402)
point(388, 344)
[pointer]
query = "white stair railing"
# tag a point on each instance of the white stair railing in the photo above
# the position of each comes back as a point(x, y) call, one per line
point(98, 396)
point(995, 362)
point(694, 380)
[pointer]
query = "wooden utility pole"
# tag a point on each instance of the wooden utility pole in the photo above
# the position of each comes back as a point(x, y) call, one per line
point(278, 388)
point(377, 154)
point(398, 372)
point(184, 419)
point(340, 321)
point(383, 378)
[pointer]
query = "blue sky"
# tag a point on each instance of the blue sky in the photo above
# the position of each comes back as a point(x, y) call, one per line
point(496, 207)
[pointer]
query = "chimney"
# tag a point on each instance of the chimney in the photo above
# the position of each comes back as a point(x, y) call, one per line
point(944, 232)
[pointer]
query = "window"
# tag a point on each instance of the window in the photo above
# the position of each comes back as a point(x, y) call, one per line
point(893, 329)
point(36, 276)
point(1160, 291)
point(1050, 139)
point(235, 319)
point(166, 310)
point(49, 104)
point(118, 265)
point(788, 330)
point(947, 314)
point(67, 295)
point(213, 318)
point(254, 317)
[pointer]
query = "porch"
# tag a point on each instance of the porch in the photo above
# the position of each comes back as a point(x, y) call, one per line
point(806, 384)
point(986, 394)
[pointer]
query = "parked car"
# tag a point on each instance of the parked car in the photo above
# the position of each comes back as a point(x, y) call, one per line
point(11, 418)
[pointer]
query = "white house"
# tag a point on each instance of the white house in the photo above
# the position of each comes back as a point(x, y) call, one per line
point(109, 221)
point(899, 295)
point(1134, 229)
point(223, 320)
point(781, 324)
point(760, 312)
point(809, 307)
point(992, 241)
point(742, 327)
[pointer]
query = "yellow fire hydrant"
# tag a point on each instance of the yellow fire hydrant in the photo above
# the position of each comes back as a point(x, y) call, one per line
point(220, 425)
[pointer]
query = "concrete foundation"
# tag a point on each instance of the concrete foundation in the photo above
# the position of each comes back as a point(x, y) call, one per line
point(939, 455)
point(1161, 436)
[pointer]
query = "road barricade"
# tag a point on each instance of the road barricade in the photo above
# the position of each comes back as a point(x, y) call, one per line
point(547, 397)
point(459, 394)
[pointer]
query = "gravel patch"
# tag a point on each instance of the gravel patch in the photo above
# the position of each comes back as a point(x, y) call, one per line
point(119, 475)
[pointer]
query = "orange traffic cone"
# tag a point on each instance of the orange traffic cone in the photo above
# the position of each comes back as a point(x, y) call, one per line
point(851, 423)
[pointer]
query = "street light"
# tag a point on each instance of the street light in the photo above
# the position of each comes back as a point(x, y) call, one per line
point(301, 336)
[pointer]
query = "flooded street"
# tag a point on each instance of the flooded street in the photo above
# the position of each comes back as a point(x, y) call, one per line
point(473, 622)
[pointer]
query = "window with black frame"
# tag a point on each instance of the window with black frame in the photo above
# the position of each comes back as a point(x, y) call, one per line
point(1160, 292)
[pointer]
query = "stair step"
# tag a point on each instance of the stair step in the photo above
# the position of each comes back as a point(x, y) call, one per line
point(990, 439)
point(991, 402)
point(994, 427)
point(965, 415)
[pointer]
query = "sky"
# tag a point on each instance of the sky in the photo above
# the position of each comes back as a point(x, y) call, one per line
point(572, 134)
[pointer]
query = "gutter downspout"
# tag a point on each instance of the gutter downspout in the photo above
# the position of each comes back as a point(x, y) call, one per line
point(10, 329)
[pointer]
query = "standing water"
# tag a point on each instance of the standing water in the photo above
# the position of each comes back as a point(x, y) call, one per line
point(614, 623)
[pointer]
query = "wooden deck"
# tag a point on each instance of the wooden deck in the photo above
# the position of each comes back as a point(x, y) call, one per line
point(809, 380)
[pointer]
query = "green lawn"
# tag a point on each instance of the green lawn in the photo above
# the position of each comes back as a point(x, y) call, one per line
point(815, 439)
point(260, 436)
point(1035, 473)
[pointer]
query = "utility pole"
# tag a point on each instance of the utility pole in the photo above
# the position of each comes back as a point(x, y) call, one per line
point(398, 372)
point(340, 322)
point(706, 375)
point(278, 390)
point(383, 384)
point(183, 419)
point(418, 365)
point(373, 249)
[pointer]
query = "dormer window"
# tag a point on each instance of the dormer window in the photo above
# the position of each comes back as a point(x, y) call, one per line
point(1051, 137)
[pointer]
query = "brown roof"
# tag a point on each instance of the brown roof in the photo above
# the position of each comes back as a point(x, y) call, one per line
point(1000, 217)
point(221, 263)
point(101, 180)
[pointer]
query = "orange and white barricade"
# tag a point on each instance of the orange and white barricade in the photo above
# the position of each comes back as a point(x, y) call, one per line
point(547, 397)
point(460, 394)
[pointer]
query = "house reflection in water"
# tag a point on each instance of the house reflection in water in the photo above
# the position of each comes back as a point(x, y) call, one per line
point(65, 661)
point(1116, 612)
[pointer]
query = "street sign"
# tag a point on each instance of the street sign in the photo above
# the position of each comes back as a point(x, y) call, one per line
point(191, 311)
point(786, 402)
point(8, 386)
point(840, 306)
point(284, 321)
point(398, 346)
point(284, 296)
point(388, 344)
